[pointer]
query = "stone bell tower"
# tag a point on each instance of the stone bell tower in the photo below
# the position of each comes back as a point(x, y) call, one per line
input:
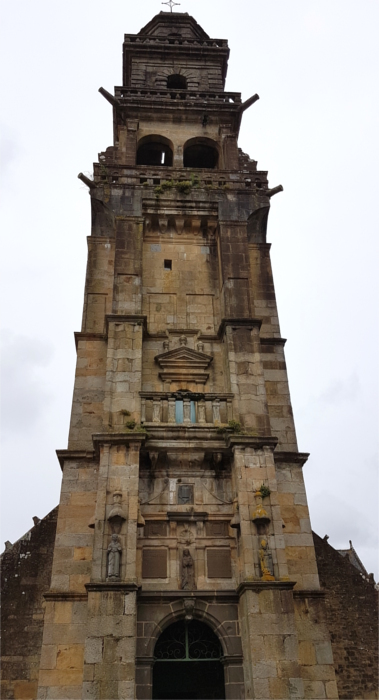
point(184, 564)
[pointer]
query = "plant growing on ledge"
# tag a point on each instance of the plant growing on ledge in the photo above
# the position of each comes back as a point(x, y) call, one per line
point(235, 426)
point(125, 412)
point(264, 491)
point(130, 424)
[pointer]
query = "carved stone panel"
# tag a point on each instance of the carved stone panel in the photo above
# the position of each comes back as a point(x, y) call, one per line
point(155, 529)
point(185, 494)
point(154, 563)
point(216, 529)
point(219, 563)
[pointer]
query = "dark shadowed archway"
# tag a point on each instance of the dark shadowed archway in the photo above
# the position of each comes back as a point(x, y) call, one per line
point(187, 663)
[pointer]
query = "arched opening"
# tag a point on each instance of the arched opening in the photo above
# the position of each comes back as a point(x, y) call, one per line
point(177, 82)
point(187, 663)
point(154, 150)
point(200, 153)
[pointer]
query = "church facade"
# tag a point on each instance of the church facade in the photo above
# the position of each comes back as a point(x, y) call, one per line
point(183, 564)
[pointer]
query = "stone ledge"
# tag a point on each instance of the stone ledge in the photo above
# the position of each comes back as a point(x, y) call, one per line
point(77, 455)
point(65, 595)
point(88, 336)
point(111, 586)
point(309, 593)
point(291, 457)
point(180, 516)
point(265, 586)
point(230, 596)
point(265, 340)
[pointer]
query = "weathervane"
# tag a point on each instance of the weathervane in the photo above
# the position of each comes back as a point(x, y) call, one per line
point(170, 3)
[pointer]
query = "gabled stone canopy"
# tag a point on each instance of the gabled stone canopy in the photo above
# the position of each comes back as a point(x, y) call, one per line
point(184, 364)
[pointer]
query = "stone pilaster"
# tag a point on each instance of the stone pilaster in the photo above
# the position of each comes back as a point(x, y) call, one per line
point(109, 669)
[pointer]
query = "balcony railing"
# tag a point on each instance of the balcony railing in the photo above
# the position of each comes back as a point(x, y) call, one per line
point(186, 408)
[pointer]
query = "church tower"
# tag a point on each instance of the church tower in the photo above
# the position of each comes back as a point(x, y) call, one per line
point(184, 564)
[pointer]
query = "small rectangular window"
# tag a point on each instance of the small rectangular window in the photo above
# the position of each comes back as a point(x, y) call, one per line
point(167, 265)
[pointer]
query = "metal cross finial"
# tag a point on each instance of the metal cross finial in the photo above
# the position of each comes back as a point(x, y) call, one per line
point(170, 3)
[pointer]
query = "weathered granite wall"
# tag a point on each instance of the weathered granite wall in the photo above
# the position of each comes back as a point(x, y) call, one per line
point(352, 618)
point(25, 577)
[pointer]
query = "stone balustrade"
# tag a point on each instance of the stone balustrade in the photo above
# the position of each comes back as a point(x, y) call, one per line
point(186, 408)
point(165, 40)
point(124, 93)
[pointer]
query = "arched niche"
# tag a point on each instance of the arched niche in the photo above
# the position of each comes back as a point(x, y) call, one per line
point(155, 150)
point(188, 663)
point(200, 153)
point(176, 81)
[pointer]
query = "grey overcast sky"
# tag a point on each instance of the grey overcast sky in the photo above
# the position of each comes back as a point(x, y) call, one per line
point(315, 66)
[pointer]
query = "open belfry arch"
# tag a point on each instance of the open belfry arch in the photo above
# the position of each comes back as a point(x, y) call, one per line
point(183, 509)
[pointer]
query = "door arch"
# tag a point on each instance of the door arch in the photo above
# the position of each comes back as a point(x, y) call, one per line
point(188, 663)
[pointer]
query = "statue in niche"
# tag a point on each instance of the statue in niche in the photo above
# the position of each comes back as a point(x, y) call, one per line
point(265, 561)
point(188, 574)
point(114, 558)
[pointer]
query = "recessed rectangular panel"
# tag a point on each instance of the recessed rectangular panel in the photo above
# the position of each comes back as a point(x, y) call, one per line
point(216, 529)
point(155, 529)
point(219, 563)
point(95, 316)
point(162, 311)
point(185, 494)
point(154, 563)
point(200, 313)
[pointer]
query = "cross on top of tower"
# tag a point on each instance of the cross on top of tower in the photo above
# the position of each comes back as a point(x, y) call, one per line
point(171, 4)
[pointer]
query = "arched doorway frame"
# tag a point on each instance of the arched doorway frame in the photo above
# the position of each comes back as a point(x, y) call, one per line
point(231, 659)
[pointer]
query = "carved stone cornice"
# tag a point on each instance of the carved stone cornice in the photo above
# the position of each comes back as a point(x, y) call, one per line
point(238, 323)
point(137, 319)
point(183, 517)
point(255, 441)
point(127, 438)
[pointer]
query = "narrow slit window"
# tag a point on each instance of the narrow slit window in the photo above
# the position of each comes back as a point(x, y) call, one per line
point(167, 265)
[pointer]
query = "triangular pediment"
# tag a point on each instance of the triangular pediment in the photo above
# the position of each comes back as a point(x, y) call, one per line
point(183, 357)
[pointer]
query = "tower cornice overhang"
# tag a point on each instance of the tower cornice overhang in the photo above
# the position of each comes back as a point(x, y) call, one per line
point(126, 438)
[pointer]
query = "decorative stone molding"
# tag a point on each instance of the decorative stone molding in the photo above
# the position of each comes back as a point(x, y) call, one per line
point(117, 514)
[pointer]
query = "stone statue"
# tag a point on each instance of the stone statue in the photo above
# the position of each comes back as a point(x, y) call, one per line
point(114, 558)
point(265, 561)
point(188, 575)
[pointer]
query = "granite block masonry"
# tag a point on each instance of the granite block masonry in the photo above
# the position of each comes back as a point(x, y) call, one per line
point(184, 564)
